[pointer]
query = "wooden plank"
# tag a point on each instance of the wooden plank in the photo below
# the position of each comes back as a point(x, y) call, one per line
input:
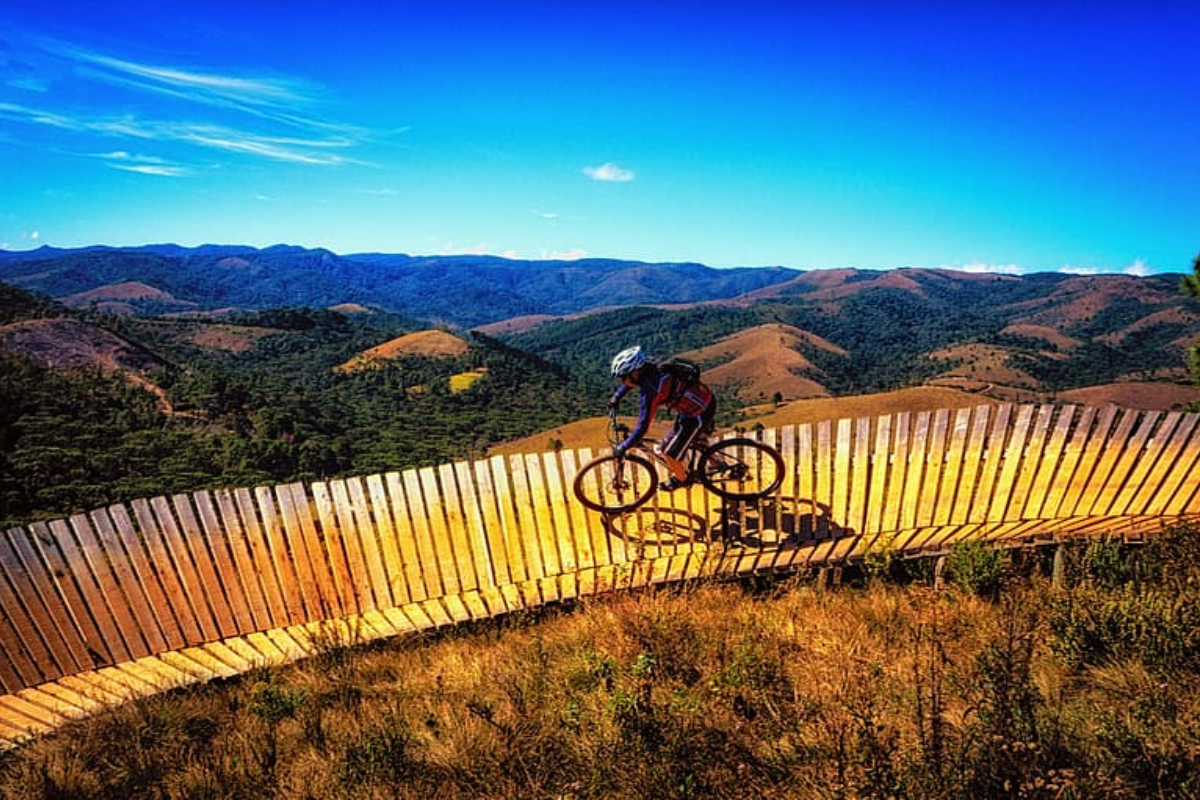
point(1109, 452)
point(29, 593)
point(333, 550)
point(518, 568)
point(1073, 500)
point(992, 457)
point(146, 583)
point(422, 535)
point(841, 473)
point(1048, 465)
point(226, 578)
point(1064, 476)
point(527, 525)
point(1134, 451)
point(823, 493)
point(492, 532)
point(880, 473)
point(284, 564)
point(1147, 463)
point(594, 534)
point(1011, 464)
point(53, 541)
point(541, 475)
point(406, 539)
point(858, 472)
point(972, 463)
point(187, 572)
point(1181, 488)
point(439, 535)
point(169, 573)
point(127, 584)
point(915, 470)
point(458, 528)
point(21, 662)
point(1031, 460)
point(389, 542)
point(897, 471)
point(208, 567)
point(260, 556)
point(367, 528)
point(78, 546)
point(292, 504)
point(952, 467)
point(358, 582)
point(1167, 466)
point(806, 481)
point(474, 524)
point(245, 570)
point(103, 565)
point(562, 525)
point(935, 467)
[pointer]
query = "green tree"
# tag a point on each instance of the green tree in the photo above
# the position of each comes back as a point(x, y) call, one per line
point(1190, 286)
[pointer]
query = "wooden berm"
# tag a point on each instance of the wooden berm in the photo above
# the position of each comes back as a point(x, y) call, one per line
point(134, 599)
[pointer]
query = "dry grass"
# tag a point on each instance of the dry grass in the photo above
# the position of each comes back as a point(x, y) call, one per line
point(778, 690)
point(434, 343)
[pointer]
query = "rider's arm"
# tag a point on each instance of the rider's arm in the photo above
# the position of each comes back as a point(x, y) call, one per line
point(622, 390)
point(650, 397)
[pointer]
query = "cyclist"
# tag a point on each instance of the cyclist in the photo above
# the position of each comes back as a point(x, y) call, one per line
point(674, 387)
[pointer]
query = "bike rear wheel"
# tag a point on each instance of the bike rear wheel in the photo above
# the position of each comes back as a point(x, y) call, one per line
point(741, 469)
point(613, 485)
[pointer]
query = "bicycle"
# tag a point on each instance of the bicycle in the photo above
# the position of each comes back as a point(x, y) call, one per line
point(739, 469)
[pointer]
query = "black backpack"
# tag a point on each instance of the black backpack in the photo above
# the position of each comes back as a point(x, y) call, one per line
point(686, 374)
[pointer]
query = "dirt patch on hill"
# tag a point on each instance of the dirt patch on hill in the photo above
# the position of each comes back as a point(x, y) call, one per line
point(763, 362)
point(231, 338)
point(1135, 394)
point(433, 343)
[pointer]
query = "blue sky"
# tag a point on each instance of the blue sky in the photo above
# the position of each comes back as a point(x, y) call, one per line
point(1014, 136)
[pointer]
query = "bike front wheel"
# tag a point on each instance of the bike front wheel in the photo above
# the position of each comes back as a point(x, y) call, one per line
point(741, 469)
point(613, 484)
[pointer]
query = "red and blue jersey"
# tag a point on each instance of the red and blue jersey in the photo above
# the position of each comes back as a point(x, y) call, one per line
point(659, 388)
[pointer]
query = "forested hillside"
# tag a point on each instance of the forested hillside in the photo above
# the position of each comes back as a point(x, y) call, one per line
point(152, 400)
point(269, 410)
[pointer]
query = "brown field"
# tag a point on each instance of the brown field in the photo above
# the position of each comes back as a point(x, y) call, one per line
point(763, 361)
point(986, 363)
point(1135, 394)
point(422, 343)
point(232, 338)
point(1047, 334)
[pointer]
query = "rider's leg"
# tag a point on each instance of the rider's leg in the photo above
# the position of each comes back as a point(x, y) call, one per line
point(673, 445)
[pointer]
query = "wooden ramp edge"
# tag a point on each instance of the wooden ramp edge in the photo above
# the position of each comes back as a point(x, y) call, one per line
point(134, 599)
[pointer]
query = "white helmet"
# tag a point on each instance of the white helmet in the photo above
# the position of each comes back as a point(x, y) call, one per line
point(627, 361)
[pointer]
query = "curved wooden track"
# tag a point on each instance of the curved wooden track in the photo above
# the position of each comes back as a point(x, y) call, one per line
point(135, 599)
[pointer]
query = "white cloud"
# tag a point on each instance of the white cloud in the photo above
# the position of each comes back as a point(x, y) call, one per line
point(1138, 268)
point(980, 267)
point(144, 165)
point(609, 172)
point(565, 255)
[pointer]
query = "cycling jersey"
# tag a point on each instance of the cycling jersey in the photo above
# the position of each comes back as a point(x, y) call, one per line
point(658, 388)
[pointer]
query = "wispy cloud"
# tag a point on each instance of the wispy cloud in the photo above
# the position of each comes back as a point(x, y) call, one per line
point(144, 165)
point(609, 172)
point(273, 118)
point(242, 140)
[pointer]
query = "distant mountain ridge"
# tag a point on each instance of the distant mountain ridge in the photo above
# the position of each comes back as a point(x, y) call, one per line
point(461, 291)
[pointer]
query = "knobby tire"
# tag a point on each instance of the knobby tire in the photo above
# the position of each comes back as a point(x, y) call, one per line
point(761, 464)
point(597, 485)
